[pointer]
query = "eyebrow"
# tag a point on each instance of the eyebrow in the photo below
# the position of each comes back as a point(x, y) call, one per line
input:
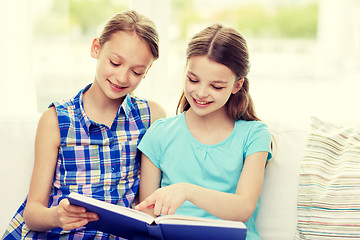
point(191, 73)
point(220, 81)
point(215, 81)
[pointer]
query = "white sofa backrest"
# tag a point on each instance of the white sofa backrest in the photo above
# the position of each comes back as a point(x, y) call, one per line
point(277, 215)
point(17, 137)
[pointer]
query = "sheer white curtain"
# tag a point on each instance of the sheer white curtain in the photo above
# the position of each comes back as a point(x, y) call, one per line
point(158, 85)
point(333, 91)
point(327, 87)
point(339, 38)
point(17, 88)
point(334, 87)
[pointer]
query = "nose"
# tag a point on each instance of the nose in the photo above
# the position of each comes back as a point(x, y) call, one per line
point(202, 92)
point(121, 74)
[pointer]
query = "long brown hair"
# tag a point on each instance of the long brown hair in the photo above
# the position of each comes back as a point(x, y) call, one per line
point(226, 46)
point(132, 21)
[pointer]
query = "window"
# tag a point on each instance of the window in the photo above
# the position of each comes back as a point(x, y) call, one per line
point(305, 55)
point(62, 35)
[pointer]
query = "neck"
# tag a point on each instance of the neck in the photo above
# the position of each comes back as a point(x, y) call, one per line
point(209, 122)
point(99, 107)
point(210, 129)
point(96, 98)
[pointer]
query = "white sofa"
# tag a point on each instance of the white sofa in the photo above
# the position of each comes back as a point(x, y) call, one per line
point(277, 216)
point(17, 135)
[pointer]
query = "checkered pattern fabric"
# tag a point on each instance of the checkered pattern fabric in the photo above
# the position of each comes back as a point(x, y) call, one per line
point(93, 160)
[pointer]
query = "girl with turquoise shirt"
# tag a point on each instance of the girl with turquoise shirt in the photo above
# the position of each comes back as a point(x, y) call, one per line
point(88, 143)
point(209, 161)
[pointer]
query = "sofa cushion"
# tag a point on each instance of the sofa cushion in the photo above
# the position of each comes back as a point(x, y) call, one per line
point(329, 183)
point(277, 213)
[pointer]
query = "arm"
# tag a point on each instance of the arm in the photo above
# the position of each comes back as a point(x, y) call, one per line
point(149, 181)
point(237, 207)
point(156, 111)
point(37, 215)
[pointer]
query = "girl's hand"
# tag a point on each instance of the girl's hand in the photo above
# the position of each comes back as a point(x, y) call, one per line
point(70, 217)
point(166, 200)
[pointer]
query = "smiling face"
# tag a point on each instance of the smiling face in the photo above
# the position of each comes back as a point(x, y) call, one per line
point(209, 85)
point(122, 62)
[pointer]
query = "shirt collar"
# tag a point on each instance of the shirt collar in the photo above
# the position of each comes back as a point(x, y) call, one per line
point(86, 122)
point(79, 108)
point(126, 106)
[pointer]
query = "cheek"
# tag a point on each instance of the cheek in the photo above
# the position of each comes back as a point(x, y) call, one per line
point(186, 87)
point(224, 97)
point(221, 96)
point(104, 69)
point(135, 81)
point(187, 91)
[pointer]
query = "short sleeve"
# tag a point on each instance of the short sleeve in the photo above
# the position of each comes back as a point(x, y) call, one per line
point(150, 145)
point(258, 140)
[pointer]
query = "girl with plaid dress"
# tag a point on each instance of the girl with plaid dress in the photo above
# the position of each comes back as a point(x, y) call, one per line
point(88, 143)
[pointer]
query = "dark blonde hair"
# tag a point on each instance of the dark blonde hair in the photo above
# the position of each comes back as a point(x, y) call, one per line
point(226, 46)
point(131, 21)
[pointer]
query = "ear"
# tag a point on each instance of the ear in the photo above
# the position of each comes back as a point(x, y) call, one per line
point(238, 85)
point(95, 48)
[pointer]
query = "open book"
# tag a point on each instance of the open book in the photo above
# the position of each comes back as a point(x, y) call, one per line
point(128, 223)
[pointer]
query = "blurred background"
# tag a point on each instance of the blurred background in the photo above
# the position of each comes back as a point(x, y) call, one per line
point(305, 54)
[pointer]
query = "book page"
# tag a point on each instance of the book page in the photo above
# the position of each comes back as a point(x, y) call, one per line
point(198, 221)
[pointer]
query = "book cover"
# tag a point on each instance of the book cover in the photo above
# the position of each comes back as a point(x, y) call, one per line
point(129, 223)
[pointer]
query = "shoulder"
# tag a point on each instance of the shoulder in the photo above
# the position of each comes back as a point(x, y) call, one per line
point(161, 132)
point(156, 111)
point(63, 104)
point(253, 131)
point(250, 130)
point(144, 104)
point(63, 107)
point(256, 137)
point(168, 123)
point(148, 110)
point(65, 110)
point(49, 114)
point(252, 125)
point(49, 123)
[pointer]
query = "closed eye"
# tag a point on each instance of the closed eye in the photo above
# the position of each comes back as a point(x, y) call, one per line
point(192, 80)
point(114, 64)
point(217, 88)
point(137, 74)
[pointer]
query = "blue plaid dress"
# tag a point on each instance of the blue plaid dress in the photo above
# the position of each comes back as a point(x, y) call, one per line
point(93, 160)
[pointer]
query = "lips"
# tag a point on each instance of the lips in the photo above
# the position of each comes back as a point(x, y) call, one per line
point(201, 103)
point(116, 87)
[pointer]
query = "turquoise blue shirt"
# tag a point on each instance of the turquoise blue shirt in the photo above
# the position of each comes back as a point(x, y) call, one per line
point(169, 144)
